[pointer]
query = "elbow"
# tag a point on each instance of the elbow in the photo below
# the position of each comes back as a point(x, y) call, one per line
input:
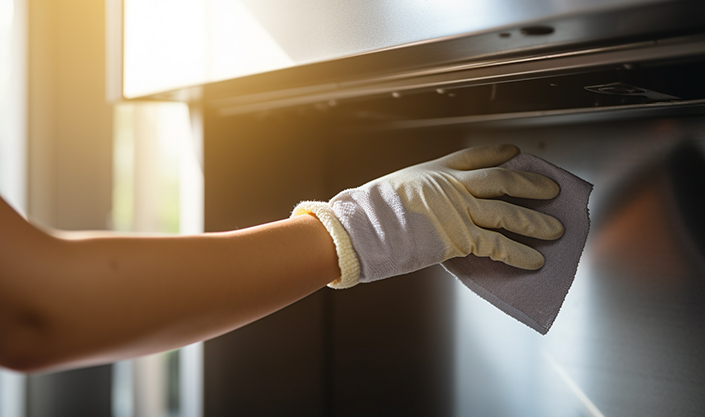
point(32, 360)
point(28, 328)
point(30, 343)
point(14, 357)
point(24, 359)
point(20, 363)
point(23, 344)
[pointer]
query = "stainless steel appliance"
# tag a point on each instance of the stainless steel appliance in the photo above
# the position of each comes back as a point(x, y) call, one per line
point(612, 91)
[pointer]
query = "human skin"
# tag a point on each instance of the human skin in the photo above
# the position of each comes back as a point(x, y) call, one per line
point(71, 299)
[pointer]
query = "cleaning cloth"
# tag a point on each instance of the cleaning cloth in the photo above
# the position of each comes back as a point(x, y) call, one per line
point(535, 297)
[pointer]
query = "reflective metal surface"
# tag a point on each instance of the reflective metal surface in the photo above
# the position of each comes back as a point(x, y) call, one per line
point(316, 30)
point(629, 339)
point(170, 45)
point(615, 96)
point(627, 342)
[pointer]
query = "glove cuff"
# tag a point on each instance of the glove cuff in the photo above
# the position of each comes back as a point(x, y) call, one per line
point(347, 258)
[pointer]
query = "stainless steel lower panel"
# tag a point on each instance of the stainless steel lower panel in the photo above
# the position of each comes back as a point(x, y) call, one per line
point(630, 339)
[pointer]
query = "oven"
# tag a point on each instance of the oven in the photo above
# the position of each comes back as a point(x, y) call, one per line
point(611, 91)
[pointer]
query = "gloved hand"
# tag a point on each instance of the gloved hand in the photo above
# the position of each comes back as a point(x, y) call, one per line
point(428, 213)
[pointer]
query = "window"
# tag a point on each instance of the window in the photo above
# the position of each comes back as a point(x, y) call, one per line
point(157, 188)
point(12, 151)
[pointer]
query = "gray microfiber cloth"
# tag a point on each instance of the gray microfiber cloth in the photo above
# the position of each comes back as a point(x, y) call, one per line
point(535, 297)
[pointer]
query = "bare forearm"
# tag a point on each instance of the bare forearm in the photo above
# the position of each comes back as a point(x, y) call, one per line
point(93, 300)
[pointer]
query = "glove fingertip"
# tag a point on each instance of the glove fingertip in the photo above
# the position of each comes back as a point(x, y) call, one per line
point(552, 189)
point(524, 257)
point(533, 264)
point(509, 149)
point(481, 157)
point(558, 230)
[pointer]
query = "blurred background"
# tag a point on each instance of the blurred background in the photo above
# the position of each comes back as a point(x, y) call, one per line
point(185, 116)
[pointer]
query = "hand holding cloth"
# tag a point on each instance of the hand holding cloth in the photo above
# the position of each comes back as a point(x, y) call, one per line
point(438, 210)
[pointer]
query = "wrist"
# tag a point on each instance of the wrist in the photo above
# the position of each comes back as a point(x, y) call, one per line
point(347, 257)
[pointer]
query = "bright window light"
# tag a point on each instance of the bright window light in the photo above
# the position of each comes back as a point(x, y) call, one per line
point(177, 43)
point(12, 103)
point(157, 187)
point(12, 153)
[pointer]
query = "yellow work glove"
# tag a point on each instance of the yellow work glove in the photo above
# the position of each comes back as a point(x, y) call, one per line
point(428, 213)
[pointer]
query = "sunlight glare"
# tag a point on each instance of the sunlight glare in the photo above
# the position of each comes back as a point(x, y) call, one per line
point(178, 43)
